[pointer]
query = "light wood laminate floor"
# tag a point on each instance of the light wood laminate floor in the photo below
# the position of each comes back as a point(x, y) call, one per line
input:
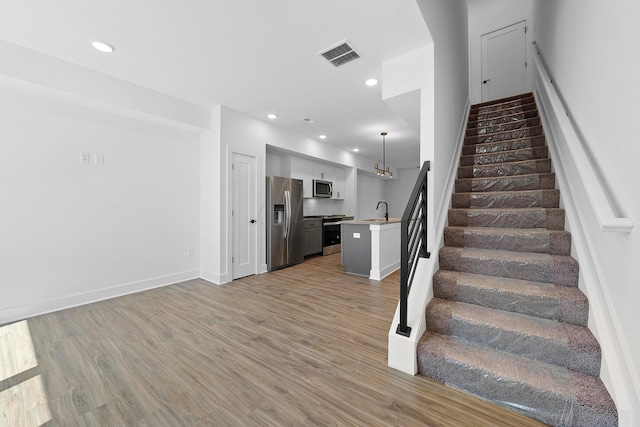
point(306, 345)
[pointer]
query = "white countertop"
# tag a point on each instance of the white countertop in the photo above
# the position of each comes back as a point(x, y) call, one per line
point(373, 221)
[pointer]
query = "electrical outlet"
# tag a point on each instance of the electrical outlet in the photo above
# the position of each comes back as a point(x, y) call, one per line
point(85, 157)
point(98, 159)
point(190, 252)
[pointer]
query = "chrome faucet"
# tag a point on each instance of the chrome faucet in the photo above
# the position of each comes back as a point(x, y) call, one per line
point(386, 209)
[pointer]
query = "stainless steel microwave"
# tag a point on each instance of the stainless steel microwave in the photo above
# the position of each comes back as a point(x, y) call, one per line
point(322, 188)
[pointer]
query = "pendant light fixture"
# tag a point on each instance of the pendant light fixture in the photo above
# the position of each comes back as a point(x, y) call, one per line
point(385, 169)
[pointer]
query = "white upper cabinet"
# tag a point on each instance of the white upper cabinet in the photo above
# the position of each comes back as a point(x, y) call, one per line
point(302, 169)
point(338, 183)
point(307, 170)
point(323, 171)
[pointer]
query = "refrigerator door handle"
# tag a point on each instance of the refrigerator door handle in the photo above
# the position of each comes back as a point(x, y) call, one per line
point(286, 214)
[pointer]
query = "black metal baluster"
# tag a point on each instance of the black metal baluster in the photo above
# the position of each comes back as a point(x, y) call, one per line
point(410, 240)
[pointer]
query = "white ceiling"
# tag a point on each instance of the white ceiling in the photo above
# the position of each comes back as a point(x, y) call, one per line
point(253, 56)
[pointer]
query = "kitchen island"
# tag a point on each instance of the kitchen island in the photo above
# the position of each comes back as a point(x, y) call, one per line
point(371, 247)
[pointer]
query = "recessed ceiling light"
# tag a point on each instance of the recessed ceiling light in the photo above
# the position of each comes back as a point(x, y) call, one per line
point(103, 46)
point(272, 116)
point(323, 137)
point(371, 82)
point(355, 150)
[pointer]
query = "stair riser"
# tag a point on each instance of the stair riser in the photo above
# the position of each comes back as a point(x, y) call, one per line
point(514, 199)
point(497, 147)
point(554, 303)
point(553, 243)
point(516, 183)
point(506, 169)
point(502, 127)
point(505, 156)
point(556, 352)
point(557, 270)
point(551, 219)
point(503, 119)
point(503, 136)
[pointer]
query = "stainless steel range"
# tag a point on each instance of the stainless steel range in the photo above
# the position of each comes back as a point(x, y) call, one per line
point(331, 233)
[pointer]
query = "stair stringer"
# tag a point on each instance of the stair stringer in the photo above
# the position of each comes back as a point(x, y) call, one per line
point(616, 373)
point(402, 351)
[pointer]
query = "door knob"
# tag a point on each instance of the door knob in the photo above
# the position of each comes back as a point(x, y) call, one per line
point(252, 221)
point(484, 82)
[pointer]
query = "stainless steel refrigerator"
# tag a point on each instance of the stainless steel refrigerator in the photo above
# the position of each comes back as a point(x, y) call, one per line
point(285, 227)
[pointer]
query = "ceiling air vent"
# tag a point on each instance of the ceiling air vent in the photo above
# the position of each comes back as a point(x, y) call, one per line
point(340, 54)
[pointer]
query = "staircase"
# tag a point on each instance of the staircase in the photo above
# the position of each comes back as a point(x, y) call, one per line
point(507, 321)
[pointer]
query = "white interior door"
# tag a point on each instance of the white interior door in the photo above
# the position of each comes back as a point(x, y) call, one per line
point(245, 224)
point(504, 62)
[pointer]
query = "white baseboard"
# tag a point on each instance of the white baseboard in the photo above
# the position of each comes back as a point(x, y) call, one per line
point(217, 279)
point(42, 307)
point(384, 272)
point(263, 268)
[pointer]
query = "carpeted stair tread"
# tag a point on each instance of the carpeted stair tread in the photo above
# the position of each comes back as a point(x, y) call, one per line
point(557, 269)
point(539, 240)
point(549, 218)
point(504, 136)
point(505, 156)
point(501, 126)
point(546, 198)
point(533, 181)
point(546, 340)
point(546, 300)
point(528, 105)
point(514, 117)
point(505, 169)
point(503, 104)
point(499, 106)
point(550, 393)
point(496, 147)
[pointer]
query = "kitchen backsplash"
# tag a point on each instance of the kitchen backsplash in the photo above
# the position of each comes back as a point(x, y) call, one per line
point(323, 207)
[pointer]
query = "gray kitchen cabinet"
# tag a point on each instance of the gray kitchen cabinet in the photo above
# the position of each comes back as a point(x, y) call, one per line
point(312, 236)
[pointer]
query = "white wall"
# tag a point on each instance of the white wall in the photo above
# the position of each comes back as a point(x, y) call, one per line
point(211, 192)
point(370, 191)
point(448, 25)
point(397, 191)
point(74, 232)
point(590, 50)
point(486, 16)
